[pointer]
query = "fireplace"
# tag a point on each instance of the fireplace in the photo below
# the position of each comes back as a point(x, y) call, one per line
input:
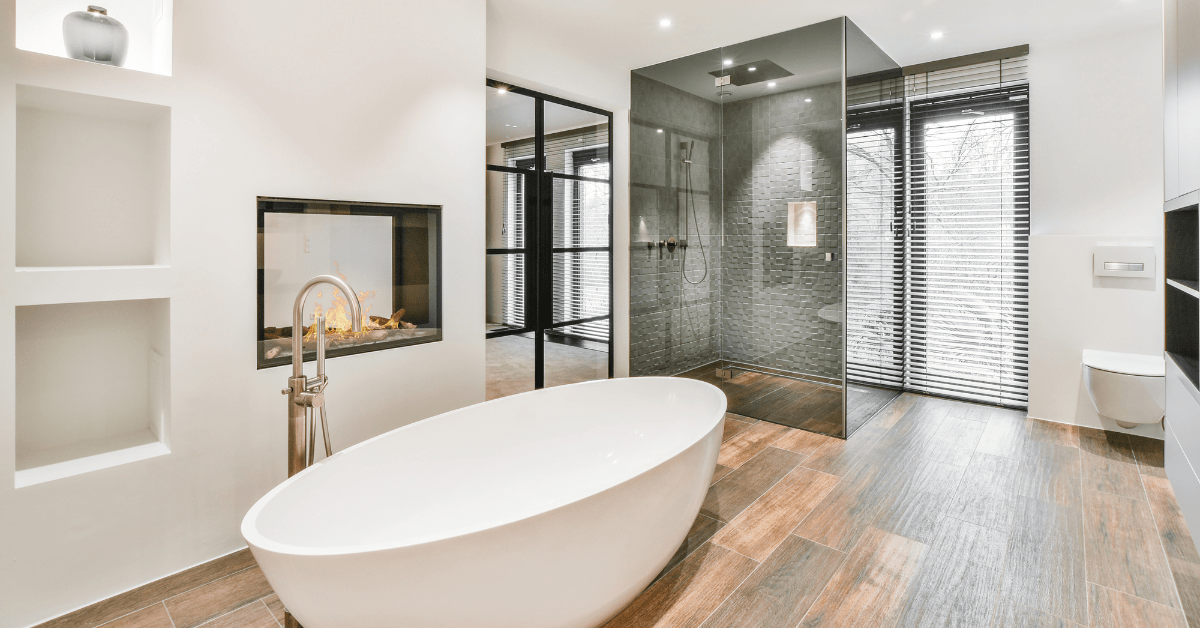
point(390, 254)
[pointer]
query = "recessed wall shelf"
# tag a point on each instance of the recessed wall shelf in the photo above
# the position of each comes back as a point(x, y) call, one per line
point(1190, 287)
point(1183, 331)
point(93, 180)
point(40, 29)
point(92, 387)
point(47, 286)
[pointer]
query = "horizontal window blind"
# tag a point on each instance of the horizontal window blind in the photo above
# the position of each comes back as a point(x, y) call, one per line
point(938, 231)
point(875, 246)
point(968, 244)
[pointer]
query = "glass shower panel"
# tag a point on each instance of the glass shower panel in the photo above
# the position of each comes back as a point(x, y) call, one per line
point(782, 289)
point(675, 213)
point(874, 229)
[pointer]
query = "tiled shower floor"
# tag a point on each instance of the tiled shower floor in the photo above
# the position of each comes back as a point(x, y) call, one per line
point(795, 403)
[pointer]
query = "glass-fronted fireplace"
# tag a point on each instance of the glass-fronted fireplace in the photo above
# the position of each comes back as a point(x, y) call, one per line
point(390, 254)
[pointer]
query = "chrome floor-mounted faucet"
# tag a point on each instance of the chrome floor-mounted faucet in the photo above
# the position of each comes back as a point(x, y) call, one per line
point(306, 396)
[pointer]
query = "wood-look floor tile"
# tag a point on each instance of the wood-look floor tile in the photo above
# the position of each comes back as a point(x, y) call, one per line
point(703, 529)
point(1051, 473)
point(1187, 583)
point(1149, 455)
point(782, 589)
point(778, 399)
point(1045, 559)
point(748, 387)
point(1051, 432)
point(1010, 614)
point(956, 440)
point(1004, 435)
point(157, 591)
point(986, 494)
point(853, 505)
point(255, 615)
point(915, 435)
point(719, 472)
point(838, 456)
point(217, 598)
point(1168, 519)
point(819, 409)
point(919, 501)
point(762, 526)
point(687, 595)
point(870, 588)
point(1114, 609)
point(1123, 548)
point(802, 442)
point(729, 497)
point(152, 617)
point(276, 605)
point(749, 443)
point(958, 582)
point(733, 425)
point(1108, 463)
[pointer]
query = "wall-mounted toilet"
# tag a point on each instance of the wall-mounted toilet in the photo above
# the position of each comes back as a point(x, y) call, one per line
point(1125, 387)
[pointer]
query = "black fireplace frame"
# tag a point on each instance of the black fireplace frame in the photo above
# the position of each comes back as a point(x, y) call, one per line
point(397, 212)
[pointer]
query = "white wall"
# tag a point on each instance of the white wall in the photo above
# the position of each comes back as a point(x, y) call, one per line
point(1097, 168)
point(381, 101)
point(583, 76)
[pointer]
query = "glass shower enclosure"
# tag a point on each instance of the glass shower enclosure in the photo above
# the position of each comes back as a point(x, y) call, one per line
point(761, 254)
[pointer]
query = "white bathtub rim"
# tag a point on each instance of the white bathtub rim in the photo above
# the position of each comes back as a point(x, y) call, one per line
point(257, 540)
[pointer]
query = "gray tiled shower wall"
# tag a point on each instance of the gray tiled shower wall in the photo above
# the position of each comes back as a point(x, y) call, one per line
point(762, 300)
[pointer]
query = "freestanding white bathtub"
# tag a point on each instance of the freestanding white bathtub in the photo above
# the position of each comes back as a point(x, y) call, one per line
point(550, 509)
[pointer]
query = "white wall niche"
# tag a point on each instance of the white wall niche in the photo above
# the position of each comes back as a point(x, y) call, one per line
point(93, 180)
point(39, 29)
point(92, 386)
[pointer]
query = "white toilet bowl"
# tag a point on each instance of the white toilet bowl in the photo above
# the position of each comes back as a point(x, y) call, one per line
point(1125, 387)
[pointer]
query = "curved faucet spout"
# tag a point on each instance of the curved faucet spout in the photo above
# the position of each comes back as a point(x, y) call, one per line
point(298, 312)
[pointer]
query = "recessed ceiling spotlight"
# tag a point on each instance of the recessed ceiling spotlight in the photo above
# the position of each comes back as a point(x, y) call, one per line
point(660, 130)
point(771, 84)
point(936, 35)
point(502, 90)
point(729, 62)
point(807, 100)
point(751, 68)
point(664, 22)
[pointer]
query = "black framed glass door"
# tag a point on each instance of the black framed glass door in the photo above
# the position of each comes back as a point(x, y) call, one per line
point(549, 244)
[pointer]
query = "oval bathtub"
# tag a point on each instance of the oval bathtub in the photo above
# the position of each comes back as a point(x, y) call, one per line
point(549, 509)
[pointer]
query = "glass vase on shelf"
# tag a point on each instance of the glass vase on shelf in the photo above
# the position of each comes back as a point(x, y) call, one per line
point(92, 35)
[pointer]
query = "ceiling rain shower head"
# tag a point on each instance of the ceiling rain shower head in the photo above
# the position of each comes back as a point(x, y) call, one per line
point(751, 73)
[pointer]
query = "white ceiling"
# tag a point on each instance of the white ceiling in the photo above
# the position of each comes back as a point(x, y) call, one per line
point(626, 33)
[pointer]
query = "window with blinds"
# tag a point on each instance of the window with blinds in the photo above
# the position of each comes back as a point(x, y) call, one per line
point(580, 232)
point(942, 307)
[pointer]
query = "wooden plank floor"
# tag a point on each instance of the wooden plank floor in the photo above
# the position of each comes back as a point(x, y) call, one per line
point(935, 514)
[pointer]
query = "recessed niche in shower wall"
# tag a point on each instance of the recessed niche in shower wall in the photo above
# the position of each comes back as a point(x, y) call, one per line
point(93, 180)
point(92, 386)
point(148, 22)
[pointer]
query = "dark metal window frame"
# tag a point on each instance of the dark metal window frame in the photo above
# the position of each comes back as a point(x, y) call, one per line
point(539, 246)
